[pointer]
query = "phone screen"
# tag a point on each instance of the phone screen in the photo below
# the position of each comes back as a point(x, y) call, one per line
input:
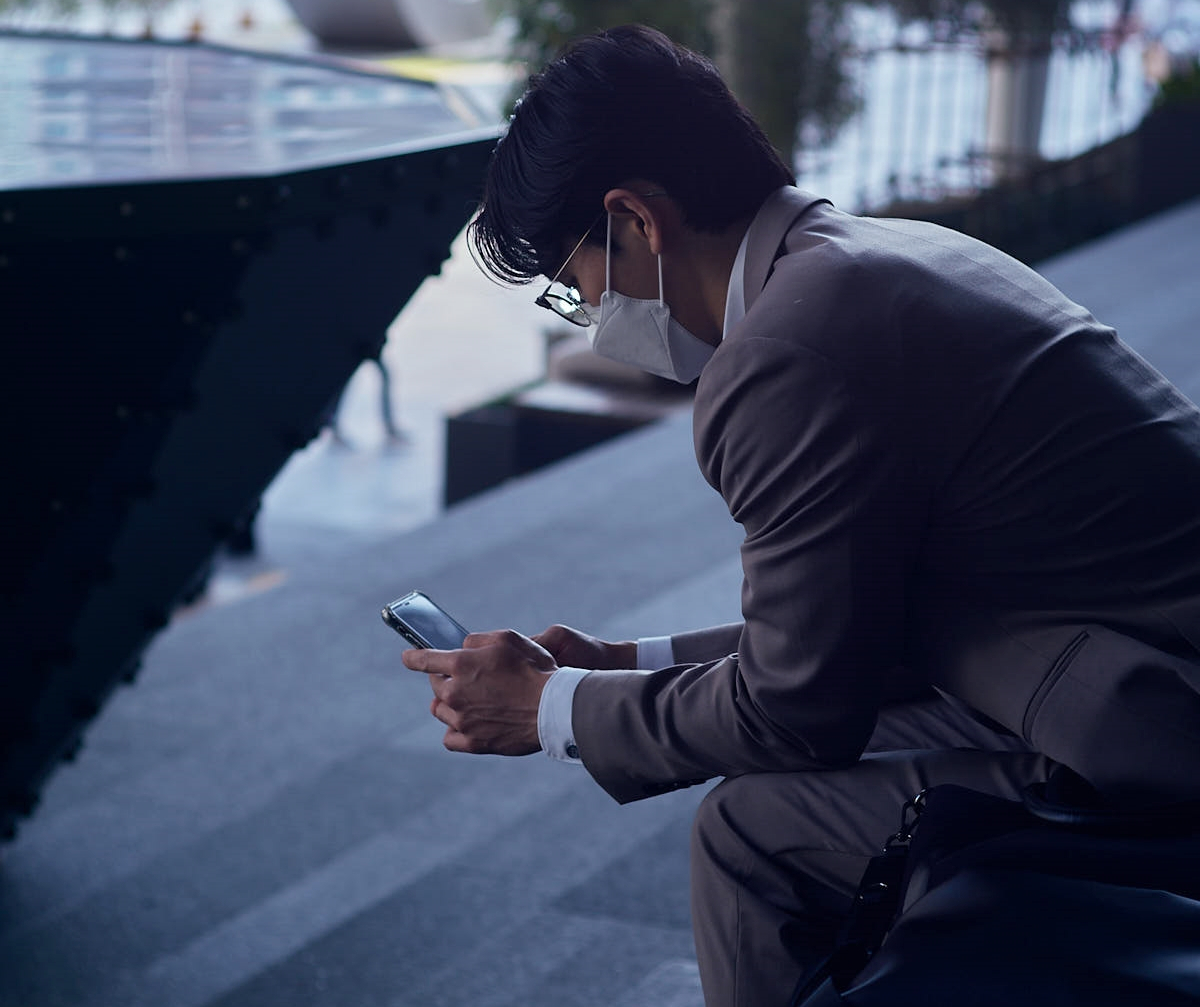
point(423, 624)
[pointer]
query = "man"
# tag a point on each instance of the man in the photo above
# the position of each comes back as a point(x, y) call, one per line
point(971, 515)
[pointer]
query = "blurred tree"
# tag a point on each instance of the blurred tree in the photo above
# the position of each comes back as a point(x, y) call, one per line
point(1181, 86)
point(1025, 22)
point(543, 27)
point(786, 60)
point(783, 58)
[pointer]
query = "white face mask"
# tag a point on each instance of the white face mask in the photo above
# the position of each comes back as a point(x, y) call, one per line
point(642, 333)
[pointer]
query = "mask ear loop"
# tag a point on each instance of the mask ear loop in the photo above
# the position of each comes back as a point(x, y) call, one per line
point(608, 265)
point(608, 258)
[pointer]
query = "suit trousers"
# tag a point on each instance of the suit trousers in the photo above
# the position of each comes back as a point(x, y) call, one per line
point(777, 857)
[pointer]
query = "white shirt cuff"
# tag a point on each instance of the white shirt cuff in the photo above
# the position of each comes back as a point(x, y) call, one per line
point(555, 731)
point(655, 652)
point(554, 715)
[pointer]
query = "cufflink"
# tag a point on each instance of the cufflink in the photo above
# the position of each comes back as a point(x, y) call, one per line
point(572, 750)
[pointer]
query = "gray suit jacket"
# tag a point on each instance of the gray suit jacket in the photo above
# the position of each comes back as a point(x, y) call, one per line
point(948, 474)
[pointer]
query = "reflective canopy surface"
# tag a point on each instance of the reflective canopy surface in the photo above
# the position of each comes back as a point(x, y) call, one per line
point(79, 110)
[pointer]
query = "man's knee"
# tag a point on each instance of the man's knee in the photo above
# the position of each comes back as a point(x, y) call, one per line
point(761, 824)
point(762, 910)
point(721, 831)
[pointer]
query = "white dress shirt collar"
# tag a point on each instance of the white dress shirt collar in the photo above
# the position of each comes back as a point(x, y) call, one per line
point(735, 297)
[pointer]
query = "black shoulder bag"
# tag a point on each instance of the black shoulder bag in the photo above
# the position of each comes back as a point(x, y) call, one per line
point(1053, 901)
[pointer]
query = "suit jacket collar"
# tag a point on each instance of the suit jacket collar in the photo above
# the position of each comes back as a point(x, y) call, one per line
point(773, 221)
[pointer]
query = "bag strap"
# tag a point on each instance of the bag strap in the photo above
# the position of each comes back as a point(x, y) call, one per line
point(875, 906)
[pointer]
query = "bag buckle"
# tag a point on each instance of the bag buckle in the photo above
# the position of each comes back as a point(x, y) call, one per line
point(903, 836)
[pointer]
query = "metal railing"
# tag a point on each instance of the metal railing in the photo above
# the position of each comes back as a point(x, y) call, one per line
point(931, 125)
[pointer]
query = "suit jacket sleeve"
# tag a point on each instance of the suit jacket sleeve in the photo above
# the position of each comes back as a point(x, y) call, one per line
point(706, 644)
point(807, 463)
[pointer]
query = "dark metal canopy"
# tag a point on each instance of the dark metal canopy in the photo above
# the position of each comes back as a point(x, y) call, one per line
point(198, 246)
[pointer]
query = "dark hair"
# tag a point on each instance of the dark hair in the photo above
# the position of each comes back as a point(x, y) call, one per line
point(623, 103)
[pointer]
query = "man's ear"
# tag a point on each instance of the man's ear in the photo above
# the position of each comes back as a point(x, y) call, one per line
point(650, 211)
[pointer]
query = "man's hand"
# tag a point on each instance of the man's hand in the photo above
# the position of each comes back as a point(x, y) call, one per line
point(574, 649)
point(487, 694)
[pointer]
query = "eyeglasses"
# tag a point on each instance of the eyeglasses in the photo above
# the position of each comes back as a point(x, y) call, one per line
point(567, 302)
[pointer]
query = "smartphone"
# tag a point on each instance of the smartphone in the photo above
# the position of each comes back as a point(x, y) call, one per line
point(423, 623)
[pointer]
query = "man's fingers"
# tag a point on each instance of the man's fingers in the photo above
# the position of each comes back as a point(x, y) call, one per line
point(552, 637)
point(486, 694)
point(473, 641)
point(432, 662)
point(442, 686)
point(446, 714)
point(455, 742)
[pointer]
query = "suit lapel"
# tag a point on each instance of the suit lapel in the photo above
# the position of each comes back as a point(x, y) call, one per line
point(767, 232)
